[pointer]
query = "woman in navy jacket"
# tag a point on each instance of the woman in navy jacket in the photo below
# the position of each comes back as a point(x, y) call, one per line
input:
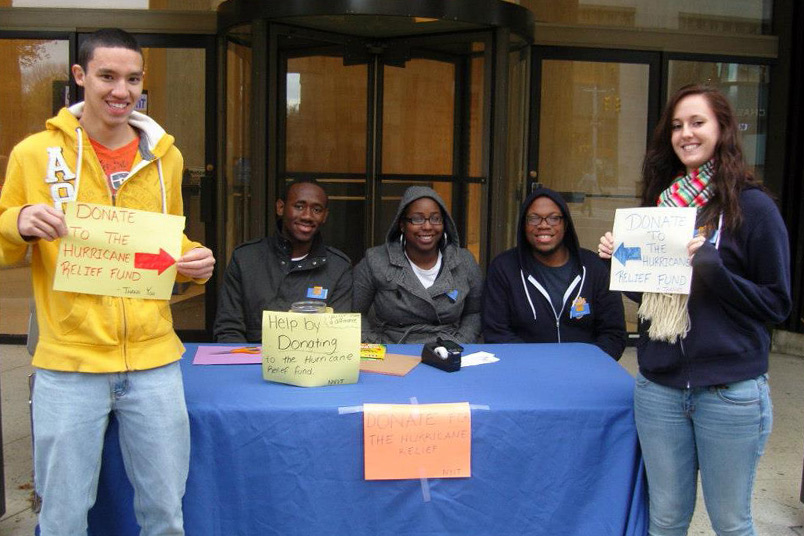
point(549, 289)
point(701, 400)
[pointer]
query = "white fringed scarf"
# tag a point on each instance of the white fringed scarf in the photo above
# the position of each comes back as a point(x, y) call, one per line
point(667, 313)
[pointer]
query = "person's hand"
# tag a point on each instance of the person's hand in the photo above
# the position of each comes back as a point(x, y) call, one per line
point(694, 245)
point(197, 263)
point(41, 221)
point(605, 249)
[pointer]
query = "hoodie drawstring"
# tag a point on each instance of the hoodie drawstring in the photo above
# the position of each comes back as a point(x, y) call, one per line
point(530, 301)
point(161, 184)
point(527, 294)
point(80, 137)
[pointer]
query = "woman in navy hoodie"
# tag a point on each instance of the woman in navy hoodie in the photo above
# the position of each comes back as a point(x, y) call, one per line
point(548, 289)
point(701, 400)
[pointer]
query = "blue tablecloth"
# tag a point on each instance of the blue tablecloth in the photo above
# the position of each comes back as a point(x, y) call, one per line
point(554, 454)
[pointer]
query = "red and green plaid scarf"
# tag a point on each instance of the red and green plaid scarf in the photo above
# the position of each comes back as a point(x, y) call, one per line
point(690, 190)
point(668, 315)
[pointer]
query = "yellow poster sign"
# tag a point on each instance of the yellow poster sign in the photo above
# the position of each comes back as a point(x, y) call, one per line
point(115, 251)
point(310, 350)
point(417, 441)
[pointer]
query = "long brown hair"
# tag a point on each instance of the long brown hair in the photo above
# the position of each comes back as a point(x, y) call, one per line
point(731, 175)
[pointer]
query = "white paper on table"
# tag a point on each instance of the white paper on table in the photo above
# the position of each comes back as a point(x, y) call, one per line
point(478, 358)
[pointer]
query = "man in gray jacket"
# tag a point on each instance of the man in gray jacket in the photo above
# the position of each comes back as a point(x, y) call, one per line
point(420, 284)
point(269, 274)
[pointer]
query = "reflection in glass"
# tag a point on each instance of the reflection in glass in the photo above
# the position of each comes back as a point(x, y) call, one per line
point(34, 88)
point(237, 160)
point(169, 74)
point(418, 118)
point(347, 208)
point(746, 87)
point(715, 16)
point(511, 191)
point(476, 123)
point(326, 115)
point(593, 122)
point(473, 204)
point(473, 210)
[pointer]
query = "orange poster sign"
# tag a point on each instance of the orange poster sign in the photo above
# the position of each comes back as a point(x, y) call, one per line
point(417, 441)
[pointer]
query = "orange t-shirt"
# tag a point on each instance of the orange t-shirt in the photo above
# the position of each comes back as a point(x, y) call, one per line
point(116, 163)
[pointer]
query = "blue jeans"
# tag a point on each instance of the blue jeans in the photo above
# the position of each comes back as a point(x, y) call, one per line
point(70, 413)
point(720, 431)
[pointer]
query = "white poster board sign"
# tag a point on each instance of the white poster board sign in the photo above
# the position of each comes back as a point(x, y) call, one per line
point(650, 249)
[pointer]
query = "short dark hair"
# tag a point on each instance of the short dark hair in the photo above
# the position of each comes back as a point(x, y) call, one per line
point(108, 38)
point(302, 180)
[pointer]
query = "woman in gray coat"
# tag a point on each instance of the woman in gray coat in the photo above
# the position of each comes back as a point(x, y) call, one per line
point(420, 284)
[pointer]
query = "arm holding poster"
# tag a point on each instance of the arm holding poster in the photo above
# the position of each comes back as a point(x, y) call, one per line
point(41, 221)
point(196, 264)
point(650, 252)
point(762, 290)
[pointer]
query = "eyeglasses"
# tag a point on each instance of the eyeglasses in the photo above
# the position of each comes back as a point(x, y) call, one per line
point(552, 220)
point(418, 219)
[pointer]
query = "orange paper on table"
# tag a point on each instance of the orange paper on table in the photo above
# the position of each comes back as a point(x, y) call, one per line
point(417, 441)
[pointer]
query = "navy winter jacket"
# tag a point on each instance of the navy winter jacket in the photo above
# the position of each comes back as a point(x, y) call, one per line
point(737, 289)
point(517, 308)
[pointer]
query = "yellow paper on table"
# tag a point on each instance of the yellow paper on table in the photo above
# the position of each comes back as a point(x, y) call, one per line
point(311, 350)
point(115, 251)
point(417, 441)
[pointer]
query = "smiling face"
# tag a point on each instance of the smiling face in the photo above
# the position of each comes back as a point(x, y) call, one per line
point(112, 85)
point(694, 131)
point(546, 241)
point(422, 240)
point(302, 213)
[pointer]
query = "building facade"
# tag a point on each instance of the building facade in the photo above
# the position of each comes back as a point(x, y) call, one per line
point(480, 100)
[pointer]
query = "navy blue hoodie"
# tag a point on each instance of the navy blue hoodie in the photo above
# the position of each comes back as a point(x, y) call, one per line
point(517, 308)
point(737, 289)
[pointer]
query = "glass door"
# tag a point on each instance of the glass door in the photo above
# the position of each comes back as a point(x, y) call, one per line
point(36, 84)
point(324, 116)
point(368, 119)
point(594, 113)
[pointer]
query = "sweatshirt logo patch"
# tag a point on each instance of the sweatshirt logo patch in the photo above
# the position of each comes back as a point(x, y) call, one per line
point(117, 179)
point(580, 308)
point(317, 293)
point(58, 175)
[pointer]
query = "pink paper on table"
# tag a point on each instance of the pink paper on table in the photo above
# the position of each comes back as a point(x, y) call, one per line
point(221, 355)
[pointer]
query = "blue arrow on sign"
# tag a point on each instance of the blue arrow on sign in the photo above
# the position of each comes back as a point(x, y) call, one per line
point(624, 254)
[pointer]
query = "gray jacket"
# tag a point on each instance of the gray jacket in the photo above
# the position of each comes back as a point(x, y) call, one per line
point(396, 307)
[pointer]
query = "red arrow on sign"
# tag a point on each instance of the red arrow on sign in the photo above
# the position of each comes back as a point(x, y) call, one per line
point(154, 261)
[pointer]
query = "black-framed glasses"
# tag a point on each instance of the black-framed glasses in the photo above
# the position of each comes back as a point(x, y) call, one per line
point(552, 220)
point(418, 219)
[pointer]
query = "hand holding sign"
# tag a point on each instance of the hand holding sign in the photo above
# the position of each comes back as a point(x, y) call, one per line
point(118, 252)
point(650, 249)
point(41, 221)
point(197, 263)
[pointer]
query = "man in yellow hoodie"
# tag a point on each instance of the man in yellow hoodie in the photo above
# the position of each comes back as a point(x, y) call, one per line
point(101, 354)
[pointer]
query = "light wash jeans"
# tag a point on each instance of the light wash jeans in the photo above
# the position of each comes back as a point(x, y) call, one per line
point(71, 411)
point(720, 431)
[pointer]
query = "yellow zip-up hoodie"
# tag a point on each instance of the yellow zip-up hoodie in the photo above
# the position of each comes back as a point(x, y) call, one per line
point(84, 332)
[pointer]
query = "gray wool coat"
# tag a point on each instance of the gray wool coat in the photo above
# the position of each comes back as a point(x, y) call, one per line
point(395, 306)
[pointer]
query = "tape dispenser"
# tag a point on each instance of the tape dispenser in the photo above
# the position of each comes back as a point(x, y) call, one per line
point(443, 354)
